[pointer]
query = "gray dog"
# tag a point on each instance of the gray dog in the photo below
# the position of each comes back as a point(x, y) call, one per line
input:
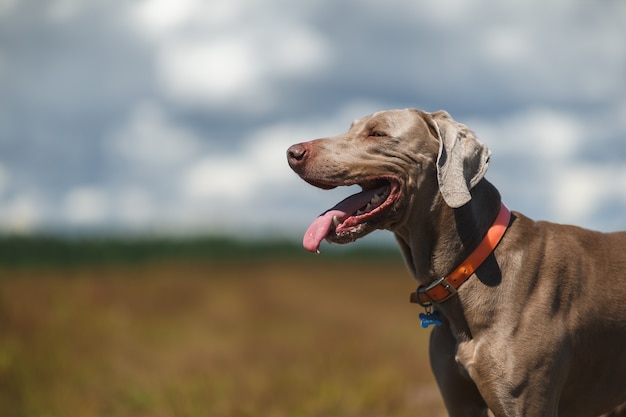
point(530, 316)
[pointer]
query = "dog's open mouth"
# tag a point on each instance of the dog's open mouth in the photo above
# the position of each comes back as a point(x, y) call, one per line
point(355, 216)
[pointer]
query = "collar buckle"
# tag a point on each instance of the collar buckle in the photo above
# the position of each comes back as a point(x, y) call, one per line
point(421, 297)
point(441, 281)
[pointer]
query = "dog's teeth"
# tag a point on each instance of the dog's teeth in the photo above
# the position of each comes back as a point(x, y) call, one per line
point(335, 221)
point(359, 212)
point(368, 207)
point(376, 199)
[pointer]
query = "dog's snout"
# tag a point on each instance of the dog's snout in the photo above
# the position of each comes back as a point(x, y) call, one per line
point(296, 154)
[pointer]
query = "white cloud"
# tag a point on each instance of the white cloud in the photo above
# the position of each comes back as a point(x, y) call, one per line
point(295, 51)
point(545, 134)
point(259, 167)
point(220, 54)
point(237, 68)
point(506, 47)
point(446, 13)
point(220, 178)
point(151, 140)
point(7, 6)
point(157, 16)
point(160, 19)
point(86, 206)
point(23, 214)
point(63, 10)
point(580, 191)
point(210, 70)
point(135, 206)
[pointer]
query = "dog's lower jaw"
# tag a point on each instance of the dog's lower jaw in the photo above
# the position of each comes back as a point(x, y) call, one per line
point(349, 235)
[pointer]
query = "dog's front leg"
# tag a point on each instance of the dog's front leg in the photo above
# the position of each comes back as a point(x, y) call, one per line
point(515, 377)
point(459, 392)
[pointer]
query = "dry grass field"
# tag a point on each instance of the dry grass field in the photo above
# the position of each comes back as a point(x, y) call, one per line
point(269, 339)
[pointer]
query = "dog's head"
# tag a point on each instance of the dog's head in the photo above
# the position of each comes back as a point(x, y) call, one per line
point(399, 158)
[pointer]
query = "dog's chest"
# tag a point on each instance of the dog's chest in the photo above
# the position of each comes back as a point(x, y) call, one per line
point(466, 356)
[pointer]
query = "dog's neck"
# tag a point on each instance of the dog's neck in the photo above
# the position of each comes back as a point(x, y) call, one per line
point(444, 236)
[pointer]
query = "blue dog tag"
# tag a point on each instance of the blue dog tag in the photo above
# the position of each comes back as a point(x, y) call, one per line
point(430, 318)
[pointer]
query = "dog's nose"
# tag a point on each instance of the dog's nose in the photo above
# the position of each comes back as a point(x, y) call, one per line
point(296, 154)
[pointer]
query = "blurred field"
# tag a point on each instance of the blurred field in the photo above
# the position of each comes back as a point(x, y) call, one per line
point(192, 338)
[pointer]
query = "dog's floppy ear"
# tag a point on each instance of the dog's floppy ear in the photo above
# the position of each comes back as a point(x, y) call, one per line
point(462, 160)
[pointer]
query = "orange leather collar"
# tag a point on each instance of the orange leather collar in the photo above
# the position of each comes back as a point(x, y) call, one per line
point(445, 287)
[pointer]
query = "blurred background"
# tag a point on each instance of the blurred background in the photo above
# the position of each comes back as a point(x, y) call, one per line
point(156, 120)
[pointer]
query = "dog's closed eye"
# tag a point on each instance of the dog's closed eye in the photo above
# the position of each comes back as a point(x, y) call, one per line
point(377, 134)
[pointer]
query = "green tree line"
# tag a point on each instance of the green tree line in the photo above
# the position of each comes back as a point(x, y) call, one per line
point(18, 251)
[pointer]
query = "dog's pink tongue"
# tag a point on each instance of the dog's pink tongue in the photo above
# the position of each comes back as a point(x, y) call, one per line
point(322, 225)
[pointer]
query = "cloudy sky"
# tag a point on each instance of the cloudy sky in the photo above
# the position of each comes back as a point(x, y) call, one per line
point(174, 115)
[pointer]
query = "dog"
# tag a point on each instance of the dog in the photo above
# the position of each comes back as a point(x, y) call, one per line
point(530, 316)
